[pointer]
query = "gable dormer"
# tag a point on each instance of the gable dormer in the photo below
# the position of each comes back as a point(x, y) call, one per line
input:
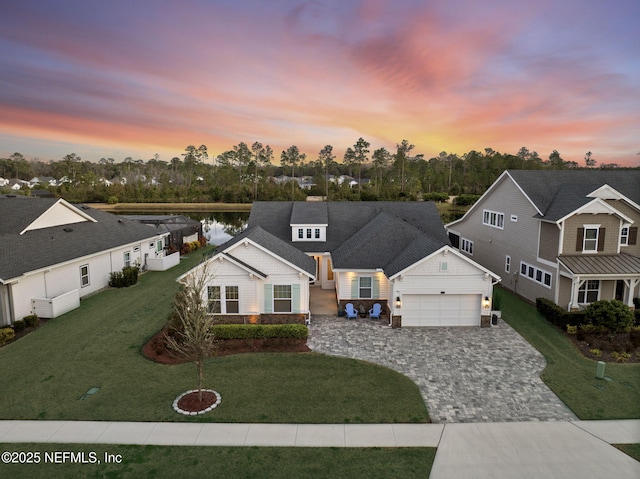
point(59, 214)
point(309, 222)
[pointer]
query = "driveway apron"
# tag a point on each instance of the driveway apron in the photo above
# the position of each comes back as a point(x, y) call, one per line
point(464, 374)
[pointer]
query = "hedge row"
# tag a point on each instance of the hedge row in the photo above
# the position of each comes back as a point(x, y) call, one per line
point(558, 316)
point(260, 331)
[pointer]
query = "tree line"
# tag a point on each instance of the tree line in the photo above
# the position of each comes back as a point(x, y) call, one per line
point(247, 173)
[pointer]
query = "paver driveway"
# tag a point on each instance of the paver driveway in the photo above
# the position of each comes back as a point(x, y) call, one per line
point(464, 374)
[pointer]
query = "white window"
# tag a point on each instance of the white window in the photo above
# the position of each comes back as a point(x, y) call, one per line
point(493, 218)
point(227, 304)
point(507, 264)
point(590, 241)
point(127, 259)
point(308, 233)
point(213, 297)
point(589, 291)
point(624, 236)
point(159, 245)
point(535, 274)
point(466, 245)
point(300, 233)
point(365, 287)
point(84, 275)
point(317, 233)
point(282, 298)
point(232, 301)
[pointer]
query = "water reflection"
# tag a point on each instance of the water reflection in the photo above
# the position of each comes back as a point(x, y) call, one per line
point(219, 228)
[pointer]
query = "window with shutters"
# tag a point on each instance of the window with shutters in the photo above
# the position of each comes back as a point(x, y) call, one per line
point(624, 236)
point(365, 287)
point(590, 240)
point(282, 300)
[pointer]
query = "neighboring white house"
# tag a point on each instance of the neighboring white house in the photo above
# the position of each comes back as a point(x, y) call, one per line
point(53, 251)
point(393, 253)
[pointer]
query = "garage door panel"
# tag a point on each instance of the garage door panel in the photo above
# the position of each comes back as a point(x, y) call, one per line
point(441, 310)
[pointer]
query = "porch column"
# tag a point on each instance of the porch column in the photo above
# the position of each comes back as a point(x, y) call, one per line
point(575, 286)
point(631, 286)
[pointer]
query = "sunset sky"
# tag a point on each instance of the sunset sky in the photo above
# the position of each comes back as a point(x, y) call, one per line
point(135, 78)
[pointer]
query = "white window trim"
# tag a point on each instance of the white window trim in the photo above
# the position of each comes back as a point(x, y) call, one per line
point(466, 246)
point(360, 287)
point(584, 239)
point(624, 235)
point(586, 290)
point(222, 299)
point(536, 271)
point(82, 284)
point(126, 257)
point(495, 219)
point(274, 299)
point(514, 218)
point(507, 263)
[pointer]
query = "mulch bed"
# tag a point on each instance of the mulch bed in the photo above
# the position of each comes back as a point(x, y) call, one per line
point(156, 348)
point(607, 344)
point(190, 402)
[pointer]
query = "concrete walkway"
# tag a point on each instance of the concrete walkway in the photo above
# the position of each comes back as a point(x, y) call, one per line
point(481, 450)
point(464, 374)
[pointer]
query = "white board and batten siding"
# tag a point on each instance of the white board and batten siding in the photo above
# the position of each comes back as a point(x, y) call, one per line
point(442, 290)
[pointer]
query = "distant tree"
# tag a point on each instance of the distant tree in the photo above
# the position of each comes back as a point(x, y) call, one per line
point(292, 157)
point(381, 158)
point(262, 157)
point(360, 151)
point(70, 161)
point(326, 160)
point(555, 161)
point(402, 152)
point(589, 161)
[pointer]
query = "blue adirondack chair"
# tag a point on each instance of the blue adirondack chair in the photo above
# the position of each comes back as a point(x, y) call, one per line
point(350, 311)
point(374, 313)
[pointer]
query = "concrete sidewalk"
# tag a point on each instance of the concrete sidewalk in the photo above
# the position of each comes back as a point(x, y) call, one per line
point(478, 450)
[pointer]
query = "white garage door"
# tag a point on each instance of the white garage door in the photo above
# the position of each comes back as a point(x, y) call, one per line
point(441, 309)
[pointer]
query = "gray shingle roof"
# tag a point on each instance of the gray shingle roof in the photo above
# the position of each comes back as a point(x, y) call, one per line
point(558, 193)
point(368, 235)
point(50, 246)
point(314, 213)
point(279, 247)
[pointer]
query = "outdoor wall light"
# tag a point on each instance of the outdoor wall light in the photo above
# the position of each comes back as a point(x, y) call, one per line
point(486, 303)
point(398, 302)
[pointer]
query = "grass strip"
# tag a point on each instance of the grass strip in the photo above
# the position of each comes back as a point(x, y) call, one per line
point(228, 462)
point(572, 376)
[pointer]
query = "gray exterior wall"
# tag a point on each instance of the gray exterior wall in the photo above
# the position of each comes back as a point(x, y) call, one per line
point(634, 214)
point(549, 239)
point(518, 239)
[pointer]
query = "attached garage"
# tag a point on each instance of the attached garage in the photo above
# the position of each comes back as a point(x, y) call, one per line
point(441, 309)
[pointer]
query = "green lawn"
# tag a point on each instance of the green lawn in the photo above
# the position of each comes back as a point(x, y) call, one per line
point(225, 462)
point(569, 374)
point(98, 345)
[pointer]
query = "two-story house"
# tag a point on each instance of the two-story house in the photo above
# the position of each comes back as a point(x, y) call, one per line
point(569, 236)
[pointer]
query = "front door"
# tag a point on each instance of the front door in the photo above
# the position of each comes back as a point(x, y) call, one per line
point(620, 290)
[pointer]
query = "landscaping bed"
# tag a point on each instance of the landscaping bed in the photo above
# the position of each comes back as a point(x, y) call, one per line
point(611, 348)
point(156, 348)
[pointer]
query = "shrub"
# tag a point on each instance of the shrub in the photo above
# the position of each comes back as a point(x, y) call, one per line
point(551, 312)
point(6, 335)
point(260, 331)
point(465, 200)
point(636, 314)
point(620, 357)
point(122, 279)
point(440, 197)
point(596, 352)
point(112, 200)
point(613, 315)
point(572, 329)
point(18, 325)
point(32, 321)
point(202, 241)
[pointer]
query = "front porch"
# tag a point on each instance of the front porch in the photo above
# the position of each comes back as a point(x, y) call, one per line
point(586, 279)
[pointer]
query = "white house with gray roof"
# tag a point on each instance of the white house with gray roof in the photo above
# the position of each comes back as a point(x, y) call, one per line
point(568, 236)
point(393, 253)
point(53, 253)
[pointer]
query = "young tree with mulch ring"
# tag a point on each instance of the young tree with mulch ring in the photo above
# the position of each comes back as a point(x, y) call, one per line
point(194, 338)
